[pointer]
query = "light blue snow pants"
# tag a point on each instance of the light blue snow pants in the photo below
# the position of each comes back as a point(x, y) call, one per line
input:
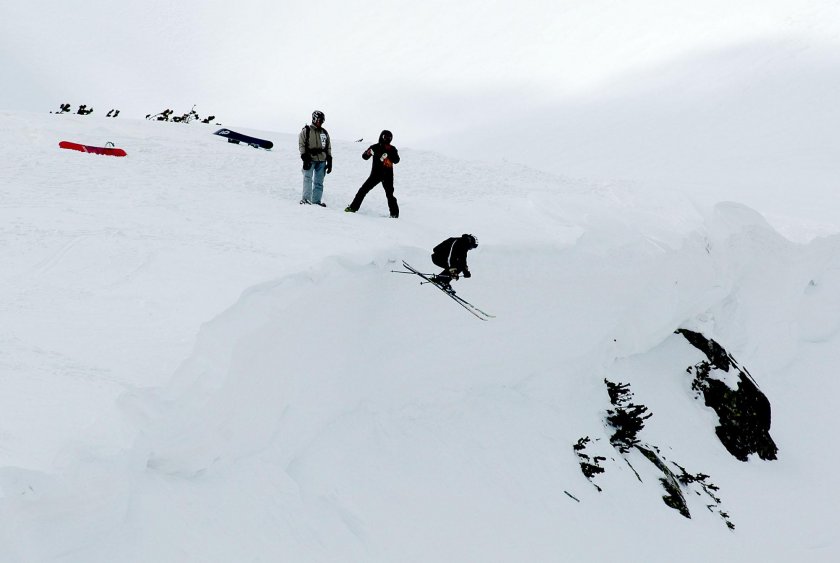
point(313, 182)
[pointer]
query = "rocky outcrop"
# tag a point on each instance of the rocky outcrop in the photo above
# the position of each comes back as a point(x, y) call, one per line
point(743, 411)
point(743, 428)
point(590, 465)
point(626, 420)
point(674, 497)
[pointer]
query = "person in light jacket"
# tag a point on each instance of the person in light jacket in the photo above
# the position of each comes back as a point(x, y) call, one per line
point(316, 154)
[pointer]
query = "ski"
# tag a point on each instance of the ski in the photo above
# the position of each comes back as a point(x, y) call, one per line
point(475, 311)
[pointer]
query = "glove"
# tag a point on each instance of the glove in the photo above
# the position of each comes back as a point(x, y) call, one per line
point(329, 165)
point(307, 161)
point(467, 274)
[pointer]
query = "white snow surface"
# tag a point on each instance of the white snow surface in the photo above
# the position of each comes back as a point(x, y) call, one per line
point(194, 367)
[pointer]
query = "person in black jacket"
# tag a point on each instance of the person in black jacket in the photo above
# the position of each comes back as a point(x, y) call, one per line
point(451, 255)
point(385, 156)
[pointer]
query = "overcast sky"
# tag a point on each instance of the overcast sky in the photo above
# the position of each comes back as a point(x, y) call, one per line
point(478, 78)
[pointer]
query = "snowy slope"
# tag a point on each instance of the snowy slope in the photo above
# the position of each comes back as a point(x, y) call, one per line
point(193, 367)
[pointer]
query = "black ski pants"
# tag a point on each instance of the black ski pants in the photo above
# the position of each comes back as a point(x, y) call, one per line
point(387, 184)
point(445, 276)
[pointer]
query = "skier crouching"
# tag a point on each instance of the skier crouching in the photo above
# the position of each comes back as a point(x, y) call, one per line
point(451, 255)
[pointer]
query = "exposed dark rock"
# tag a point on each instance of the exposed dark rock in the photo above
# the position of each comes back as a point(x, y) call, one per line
point(627, 419)
point(674, 497)
point(710, 489)
point(589, 465)
point(714, 351)
point(743, 412)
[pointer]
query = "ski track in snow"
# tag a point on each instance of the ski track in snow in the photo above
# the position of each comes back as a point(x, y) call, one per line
point(195, 367)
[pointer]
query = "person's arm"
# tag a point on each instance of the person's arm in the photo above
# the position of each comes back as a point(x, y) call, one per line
point(459, 256)
point(302, 142)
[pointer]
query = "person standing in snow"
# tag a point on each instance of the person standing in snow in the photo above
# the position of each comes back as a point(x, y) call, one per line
point(451, 255)
point(385, 156)
point(316, 154)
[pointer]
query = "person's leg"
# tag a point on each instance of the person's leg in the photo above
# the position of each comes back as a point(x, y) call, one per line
point(307, 186)
point(388, 185)
point(444, 279)
point(319, 169)
point(439, 261)
point(363, 191)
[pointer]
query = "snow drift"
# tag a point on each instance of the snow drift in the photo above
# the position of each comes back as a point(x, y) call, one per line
point(266, 388)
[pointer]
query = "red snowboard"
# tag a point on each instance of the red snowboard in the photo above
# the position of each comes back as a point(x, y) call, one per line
point(110, 151)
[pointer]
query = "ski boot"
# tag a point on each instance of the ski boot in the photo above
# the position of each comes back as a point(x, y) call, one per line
point(443, 282)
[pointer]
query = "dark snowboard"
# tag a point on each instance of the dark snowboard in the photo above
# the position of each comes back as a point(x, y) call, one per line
point(234, 137)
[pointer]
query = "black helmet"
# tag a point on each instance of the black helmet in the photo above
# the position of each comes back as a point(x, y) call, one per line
point(386, 137)
point(318, 115)
point(471, 241)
